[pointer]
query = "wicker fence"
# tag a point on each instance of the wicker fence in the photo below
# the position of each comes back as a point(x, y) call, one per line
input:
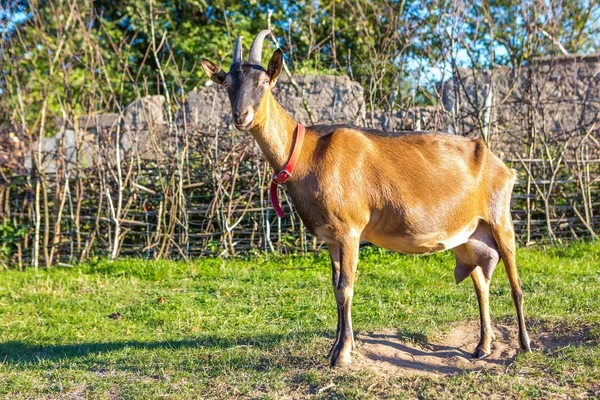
point(175, 186)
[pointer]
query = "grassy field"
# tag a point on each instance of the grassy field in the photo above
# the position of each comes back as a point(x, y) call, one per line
point(261, 327)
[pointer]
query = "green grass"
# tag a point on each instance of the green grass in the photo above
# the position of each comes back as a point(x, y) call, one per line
point(260, 327)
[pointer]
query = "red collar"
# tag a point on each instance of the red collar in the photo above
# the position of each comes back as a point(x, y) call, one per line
point(282, 176)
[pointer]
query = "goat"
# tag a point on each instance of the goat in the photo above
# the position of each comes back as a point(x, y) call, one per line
point(412, 193)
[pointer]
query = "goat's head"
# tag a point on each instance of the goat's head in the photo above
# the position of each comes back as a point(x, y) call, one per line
point(247, 82)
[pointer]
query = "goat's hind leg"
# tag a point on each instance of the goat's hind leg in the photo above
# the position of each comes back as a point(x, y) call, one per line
point(482, 288)
point(505, 237)
point(478, 258)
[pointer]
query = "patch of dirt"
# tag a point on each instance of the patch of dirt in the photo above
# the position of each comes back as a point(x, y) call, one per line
point(387, 353)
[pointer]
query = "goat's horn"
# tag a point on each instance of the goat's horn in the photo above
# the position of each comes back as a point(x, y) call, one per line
point(256, 49)
point(237, 51)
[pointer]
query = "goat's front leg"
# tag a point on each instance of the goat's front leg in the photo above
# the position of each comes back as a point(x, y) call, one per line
point(334, 254)
point(343, 287)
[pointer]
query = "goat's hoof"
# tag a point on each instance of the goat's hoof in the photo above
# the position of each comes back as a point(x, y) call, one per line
point(525, 345)
point(340, 362)
point(335, 344)
point(330, 353)
point(340, 357)
point(480, 353)
point(524, 341)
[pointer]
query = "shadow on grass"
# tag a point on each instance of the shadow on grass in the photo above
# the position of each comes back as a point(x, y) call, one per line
point(23, 353)
point(403, 349)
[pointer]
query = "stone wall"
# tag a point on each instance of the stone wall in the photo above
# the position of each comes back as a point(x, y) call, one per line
point(331, 99)
point(556, 98)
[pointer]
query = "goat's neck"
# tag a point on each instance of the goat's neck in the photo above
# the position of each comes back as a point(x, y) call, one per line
point(274, 132)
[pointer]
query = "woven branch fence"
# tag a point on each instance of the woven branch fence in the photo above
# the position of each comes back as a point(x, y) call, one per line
point(171, 179)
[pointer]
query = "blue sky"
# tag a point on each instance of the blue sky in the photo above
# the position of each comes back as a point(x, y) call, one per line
point(9, 18)
point(8, 21)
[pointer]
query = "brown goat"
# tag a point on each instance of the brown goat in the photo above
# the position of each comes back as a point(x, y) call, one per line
point(413, 193)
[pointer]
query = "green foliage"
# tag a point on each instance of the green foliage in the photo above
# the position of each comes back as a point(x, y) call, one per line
point(61, 63)
point(10, 235)
point(106, 47)
point(520, 32)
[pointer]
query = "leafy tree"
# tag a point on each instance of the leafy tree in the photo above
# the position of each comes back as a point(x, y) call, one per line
point(386, 45)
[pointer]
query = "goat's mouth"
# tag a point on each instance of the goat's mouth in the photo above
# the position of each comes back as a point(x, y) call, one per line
point(244, 127)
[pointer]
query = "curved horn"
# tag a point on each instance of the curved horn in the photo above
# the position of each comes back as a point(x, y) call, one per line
point(256, 49)
point(237, 51)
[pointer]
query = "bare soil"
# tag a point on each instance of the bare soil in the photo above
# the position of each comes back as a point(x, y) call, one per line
point(389, 353)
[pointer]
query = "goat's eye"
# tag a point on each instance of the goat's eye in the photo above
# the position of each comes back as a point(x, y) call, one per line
point(266, 82)
point(225, 85)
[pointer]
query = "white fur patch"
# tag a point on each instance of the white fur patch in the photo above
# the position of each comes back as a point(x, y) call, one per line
point(460, 238)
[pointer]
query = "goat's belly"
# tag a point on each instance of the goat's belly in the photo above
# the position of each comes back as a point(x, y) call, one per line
point(430, 242)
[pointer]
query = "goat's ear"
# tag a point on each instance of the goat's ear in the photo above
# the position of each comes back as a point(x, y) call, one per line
point(275, 66)
point(215, 73)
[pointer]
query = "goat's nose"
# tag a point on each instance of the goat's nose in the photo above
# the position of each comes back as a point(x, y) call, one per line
point(240, 116)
